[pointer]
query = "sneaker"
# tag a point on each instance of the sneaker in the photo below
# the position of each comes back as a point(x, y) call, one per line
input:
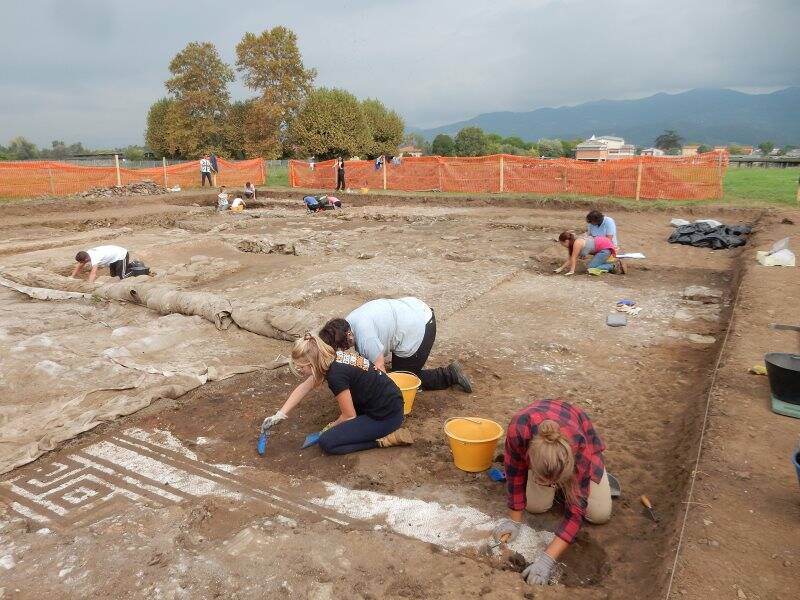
point(595, 271)
point(400, 437)
point(459, 377)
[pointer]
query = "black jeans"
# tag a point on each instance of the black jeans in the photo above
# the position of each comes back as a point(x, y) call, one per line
point(432, 379)
point(340, 180)
point(119, 268)
point(203, 176)
point(360, 433)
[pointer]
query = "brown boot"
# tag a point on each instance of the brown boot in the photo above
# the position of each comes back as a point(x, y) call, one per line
point(401, 437)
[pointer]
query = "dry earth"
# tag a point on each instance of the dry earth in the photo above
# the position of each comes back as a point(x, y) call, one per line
point(173, 501)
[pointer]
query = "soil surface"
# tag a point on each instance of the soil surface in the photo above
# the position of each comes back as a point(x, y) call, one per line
point(174, 501)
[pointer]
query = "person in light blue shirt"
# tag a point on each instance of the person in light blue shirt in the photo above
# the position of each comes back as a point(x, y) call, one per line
point(601, 225)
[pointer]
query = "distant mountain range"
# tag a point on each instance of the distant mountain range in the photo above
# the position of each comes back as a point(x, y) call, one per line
point(709, 116)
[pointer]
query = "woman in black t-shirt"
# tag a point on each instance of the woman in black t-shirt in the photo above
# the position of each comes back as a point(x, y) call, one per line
point(370, 404)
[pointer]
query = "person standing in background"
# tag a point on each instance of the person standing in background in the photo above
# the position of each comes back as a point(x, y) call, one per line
point(340, 174)
point(205, 171)
point(214, 166)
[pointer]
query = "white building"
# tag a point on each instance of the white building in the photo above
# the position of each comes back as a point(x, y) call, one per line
point(604, 147)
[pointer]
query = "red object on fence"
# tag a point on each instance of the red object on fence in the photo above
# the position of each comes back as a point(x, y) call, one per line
point(680, 178)
point(27, 179)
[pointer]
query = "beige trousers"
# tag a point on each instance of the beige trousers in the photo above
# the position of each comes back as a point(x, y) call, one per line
point(598, 509)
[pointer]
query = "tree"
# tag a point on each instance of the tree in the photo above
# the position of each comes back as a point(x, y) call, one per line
point(516, 141)
point(550, 148)
point(21, 149)
point(199, 85)
point(271, 64)
point(156, 135)
point(331, 123)
point(569, 147)
point(443, 145)
point(385, 126)
point(735, 149)
point(766, 147)
point(235, 126)
point(669, 140)
point(470, 141)
point(703, 148)
point(417, 141)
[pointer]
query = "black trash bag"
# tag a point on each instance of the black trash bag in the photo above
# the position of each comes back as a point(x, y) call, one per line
point(704, 235)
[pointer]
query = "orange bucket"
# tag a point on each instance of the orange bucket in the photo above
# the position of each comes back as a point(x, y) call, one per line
point(473, 442)
point(408, 384)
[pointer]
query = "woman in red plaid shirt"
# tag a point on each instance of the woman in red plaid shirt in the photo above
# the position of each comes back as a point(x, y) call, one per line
point(552, 445)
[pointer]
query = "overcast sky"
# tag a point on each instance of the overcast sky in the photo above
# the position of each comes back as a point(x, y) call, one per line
point(88, 70)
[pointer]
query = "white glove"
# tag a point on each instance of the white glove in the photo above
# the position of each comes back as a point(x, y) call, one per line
point(540, 571)
point(273, 420)
point(506, 527)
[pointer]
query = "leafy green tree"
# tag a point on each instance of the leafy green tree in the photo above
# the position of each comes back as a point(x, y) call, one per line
point(271, 64)
point(569, 146)
point(417, 141)
point(331, 123)
point(766, 147)
point(133, 152)
point(385, 126)
point(735, 149)
point(199, 86)
point(703, 148)
point(550, 148)
point(157, 133)
point(669, 140)
point(470, 141)
point(517, 142)
point(235, 126)
point(21, 149)
point(443, 145)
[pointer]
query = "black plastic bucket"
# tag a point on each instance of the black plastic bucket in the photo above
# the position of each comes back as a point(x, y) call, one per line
point(783, 370)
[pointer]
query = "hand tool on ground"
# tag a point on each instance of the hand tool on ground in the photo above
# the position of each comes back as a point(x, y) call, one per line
point(613, 483)
point(311, 439)
point(649, 506)
point(496, 474)
point(262, 443)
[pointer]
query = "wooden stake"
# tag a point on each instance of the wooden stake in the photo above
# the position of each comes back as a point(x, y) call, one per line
point(502, 175)
point(638, 179)
point(52, 185)
point(116, 165)
point(798, 190)
point(164, 165)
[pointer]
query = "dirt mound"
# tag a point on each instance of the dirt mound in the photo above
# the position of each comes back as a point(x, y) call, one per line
point(140, 188)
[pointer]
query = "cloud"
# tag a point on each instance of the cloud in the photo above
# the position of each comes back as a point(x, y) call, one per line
point(88, 71)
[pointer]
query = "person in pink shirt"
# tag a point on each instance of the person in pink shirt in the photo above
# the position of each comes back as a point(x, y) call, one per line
point(600, 248)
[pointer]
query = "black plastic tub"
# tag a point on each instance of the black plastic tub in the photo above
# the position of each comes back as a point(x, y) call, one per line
point(783, 370)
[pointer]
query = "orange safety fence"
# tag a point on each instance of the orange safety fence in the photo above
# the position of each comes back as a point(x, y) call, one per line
point(26, 179)
point(679, 178)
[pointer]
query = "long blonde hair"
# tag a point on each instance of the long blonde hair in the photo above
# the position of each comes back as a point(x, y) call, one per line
point(312, 350)
point(551, 459)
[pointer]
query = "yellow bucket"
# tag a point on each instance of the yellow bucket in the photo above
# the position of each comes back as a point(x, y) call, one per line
point(408, 384)
point(473, 442)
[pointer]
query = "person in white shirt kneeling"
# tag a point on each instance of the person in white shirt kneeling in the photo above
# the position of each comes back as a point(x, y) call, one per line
point(116, 258)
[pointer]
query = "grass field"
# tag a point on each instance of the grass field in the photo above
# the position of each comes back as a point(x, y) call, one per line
point(761, 186)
